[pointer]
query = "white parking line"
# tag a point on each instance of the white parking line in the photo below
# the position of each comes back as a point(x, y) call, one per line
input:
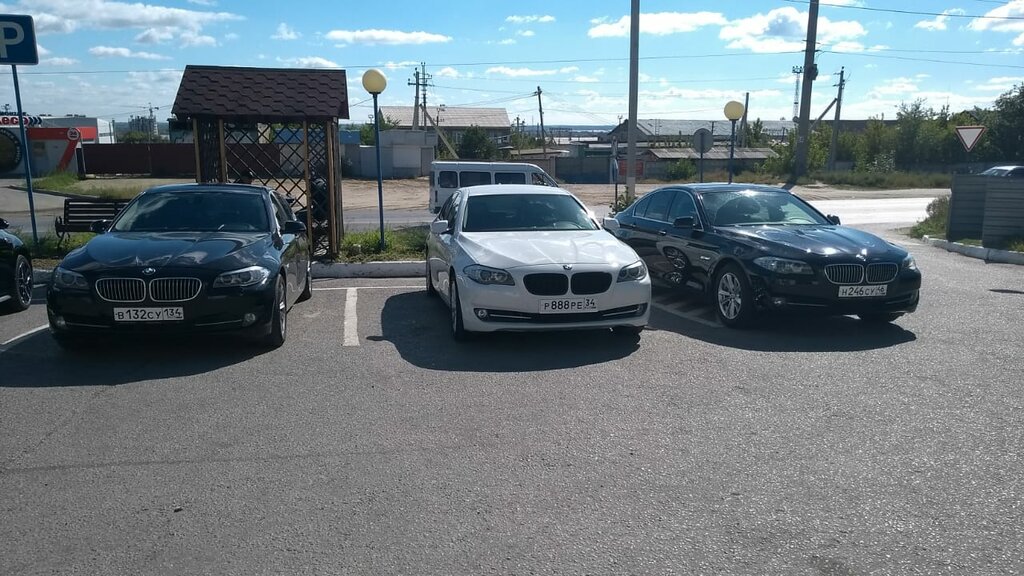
point(335, 288)
point(351, 319)
point(691, 315)
point(22, 336)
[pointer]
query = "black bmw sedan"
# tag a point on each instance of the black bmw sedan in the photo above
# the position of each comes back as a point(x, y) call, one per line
point(15, 271)
point(185, 259)
point(751, 249)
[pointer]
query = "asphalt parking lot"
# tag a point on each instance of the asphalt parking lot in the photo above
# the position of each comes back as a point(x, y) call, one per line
point(371, 443)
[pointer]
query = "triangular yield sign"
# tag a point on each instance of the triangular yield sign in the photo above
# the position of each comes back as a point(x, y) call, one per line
point(969, 135)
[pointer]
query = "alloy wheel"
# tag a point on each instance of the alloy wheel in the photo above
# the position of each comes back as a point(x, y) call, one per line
point(730, 296)
point(23, 281)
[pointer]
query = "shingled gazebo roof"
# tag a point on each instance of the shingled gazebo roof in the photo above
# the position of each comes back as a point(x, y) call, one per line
point(266, 94)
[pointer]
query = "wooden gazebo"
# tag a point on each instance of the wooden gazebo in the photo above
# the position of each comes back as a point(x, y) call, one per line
point(274, 126)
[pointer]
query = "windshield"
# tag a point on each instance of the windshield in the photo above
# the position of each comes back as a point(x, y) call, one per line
point(508, 212)
point(195, 211)
point(752, 207)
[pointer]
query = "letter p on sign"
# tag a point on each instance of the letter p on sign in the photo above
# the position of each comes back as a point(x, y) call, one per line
point(17, 40)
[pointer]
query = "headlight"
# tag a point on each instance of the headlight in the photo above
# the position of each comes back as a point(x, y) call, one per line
point(635, 271)
point(487, 275)
point(66, 279)
point(783, 265)
point(909, 263)
point(250, 276)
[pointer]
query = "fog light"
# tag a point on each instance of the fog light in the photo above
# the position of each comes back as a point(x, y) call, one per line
point(59, 322)
point(248, 319)
point(481, 313)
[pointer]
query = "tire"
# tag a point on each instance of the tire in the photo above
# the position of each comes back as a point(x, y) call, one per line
point(307, 290)
point(880, 318)
point(459, 332)
point(279, 317)
point(431, 291)
point(732, 297)
point(21, 284)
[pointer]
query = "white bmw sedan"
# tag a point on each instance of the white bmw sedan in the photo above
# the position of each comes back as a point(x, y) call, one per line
point(518, 258)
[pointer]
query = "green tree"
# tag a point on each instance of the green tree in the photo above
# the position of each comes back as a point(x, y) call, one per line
point(477, 145)
point(1006, 126)
point(134, 137)
point(755, 135)
point(366, 131)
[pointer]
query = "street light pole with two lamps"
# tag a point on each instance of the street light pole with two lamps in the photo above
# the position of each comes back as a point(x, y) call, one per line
point(733, 111)
point(374, 82)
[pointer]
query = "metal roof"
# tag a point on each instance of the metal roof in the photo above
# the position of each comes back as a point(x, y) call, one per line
point(451, 117)
point(720, 153)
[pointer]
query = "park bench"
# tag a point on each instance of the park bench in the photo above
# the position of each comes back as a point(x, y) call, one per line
point(80, 213)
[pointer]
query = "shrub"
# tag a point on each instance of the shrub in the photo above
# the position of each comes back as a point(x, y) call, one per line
point(402, 244)
point(935, 223)
point(682, 170)
point(1016, 245)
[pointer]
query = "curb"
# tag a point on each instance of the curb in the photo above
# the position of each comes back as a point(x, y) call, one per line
point(987, 254)
point(399, 269)
point(54, 193)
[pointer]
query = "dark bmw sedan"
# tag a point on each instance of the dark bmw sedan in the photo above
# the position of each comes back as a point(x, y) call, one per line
point(15, 271)
point(185, 259)
point(751, 249)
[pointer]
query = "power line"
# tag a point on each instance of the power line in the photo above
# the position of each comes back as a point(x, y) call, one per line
point(931, 60)
point(912, 12)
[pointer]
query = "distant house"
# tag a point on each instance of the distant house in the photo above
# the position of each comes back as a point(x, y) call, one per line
point(454, 121)
point(656, 161)
point(681, 131)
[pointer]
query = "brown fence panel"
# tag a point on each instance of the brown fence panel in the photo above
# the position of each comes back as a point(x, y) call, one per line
point(966, 207)
point(1004, 212)
point(158, 160)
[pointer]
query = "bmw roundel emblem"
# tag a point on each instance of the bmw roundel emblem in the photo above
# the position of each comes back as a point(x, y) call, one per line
point(149, 271)
point(567, 266)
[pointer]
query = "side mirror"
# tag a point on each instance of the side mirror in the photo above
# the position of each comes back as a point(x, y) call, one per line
point(439, 227)
point(293, 227)
point(99, 226)
point(833, 219)
point(4, 225)
point(683, 222)
point(611, 224)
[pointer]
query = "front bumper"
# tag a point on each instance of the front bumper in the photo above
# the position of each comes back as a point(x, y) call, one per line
point(79, 312)
point(787, 293)
point(514, 309)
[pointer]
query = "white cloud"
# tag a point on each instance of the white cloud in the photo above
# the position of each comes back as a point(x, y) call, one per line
point(155, 36)
point(1000, 83)
point(519, 72)
point(938, 24)
point(285, 32)
point(189, 39)
point(203, 2)
point(784, 29)
point(231, 36)
point(389, 37)
point(530, 19)
point(585, 79)
point(108, 52)
point(58, 61)
point(39, 47)
point(447, 72)
point(657, 24)
point(506, 42)
point(997, 23)
point(309, 62)
point(894, 86)
point(525, 33)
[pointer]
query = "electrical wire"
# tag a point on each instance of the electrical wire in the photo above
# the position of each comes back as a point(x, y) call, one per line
point(912, 12)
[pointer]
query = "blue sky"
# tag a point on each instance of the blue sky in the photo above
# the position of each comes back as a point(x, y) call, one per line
point(114, 59)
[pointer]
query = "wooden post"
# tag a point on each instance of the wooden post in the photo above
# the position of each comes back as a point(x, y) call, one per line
point(223, 152)
point(195, 140)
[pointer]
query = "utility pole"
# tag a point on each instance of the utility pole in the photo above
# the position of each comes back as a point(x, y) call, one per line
point(834, 150)
point(543, 139)
point(634, 59)
point(743, 122)
point(415, 100)
point(810, 73)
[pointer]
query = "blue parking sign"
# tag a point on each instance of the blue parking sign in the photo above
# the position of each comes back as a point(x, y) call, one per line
point(17, 40)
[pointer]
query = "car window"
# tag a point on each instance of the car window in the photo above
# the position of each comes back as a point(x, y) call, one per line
point(682, 207)
point(1017, 173)
point(518, 212)
point(659, 205)
point(281, 211)
point(451, 208)
point(467, 179)
point(641, 206)
point(448, 179)
point(195, 210)
point(756, 208)
point(509, 178)
point(538, 179)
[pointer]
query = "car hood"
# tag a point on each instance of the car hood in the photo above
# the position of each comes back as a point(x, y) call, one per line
point(822, 240)
point(216, 250)
point(513, 249)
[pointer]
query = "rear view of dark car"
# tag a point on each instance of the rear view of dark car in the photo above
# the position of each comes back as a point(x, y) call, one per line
point(186, 259)
point(752, 249)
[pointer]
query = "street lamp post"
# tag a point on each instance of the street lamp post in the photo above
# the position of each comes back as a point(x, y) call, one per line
point(733, 111)
point(374, 82)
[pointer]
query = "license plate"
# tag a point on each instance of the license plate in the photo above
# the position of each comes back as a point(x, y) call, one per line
point(862, 291)
point(568, 305)
point(149, 314)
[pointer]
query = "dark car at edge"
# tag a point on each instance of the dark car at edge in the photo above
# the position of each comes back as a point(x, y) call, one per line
point(15, 271)
point(184, 259)
point(755, 249)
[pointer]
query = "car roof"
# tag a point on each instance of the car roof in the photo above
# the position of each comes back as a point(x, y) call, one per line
point(1006, 167)
point(492, 189)
point(713, 187)
point(206, 186)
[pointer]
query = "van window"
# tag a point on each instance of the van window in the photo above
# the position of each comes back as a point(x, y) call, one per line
point(448, 179)
point(474, 178)
point(538, 179)
point(509, 178)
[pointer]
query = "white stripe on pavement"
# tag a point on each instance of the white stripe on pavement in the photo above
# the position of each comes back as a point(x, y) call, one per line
point(22, 336)
point(351, 320)
point(691, 315)
point(335, 288)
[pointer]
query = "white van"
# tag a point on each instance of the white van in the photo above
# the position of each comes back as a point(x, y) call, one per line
point(448, 176)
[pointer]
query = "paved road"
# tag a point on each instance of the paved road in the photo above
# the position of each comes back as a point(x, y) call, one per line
point(372, 444)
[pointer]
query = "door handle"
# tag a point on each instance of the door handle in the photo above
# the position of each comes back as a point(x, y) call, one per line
point(662, 233)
